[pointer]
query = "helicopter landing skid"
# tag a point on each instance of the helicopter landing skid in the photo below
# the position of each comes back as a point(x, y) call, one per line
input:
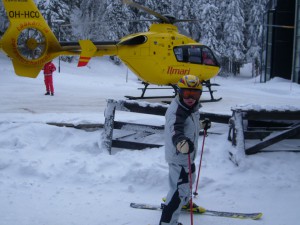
point(204, 83)
point(152, 97)
point(211, 100)
point(147, 97)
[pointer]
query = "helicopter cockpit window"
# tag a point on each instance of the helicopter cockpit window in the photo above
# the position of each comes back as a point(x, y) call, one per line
point(188, 53)
point(207, 57)
point(194, 55)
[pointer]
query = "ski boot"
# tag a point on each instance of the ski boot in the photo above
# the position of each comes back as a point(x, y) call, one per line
point(196, 208)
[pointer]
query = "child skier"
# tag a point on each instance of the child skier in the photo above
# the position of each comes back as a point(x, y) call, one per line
point(181, 141)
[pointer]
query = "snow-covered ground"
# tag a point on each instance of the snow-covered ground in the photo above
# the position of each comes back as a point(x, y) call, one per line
point(60, 176)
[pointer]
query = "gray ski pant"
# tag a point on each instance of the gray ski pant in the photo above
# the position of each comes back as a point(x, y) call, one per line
point(179, 193)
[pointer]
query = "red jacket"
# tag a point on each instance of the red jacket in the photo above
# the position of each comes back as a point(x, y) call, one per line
point(49, 68)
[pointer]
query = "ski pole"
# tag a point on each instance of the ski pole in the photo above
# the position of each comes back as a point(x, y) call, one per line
point(195, 192)
point(191, 189)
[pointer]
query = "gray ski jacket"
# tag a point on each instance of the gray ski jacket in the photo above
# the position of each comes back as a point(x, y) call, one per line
point(181, 123)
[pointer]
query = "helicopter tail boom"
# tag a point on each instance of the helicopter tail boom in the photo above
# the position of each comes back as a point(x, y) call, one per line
point(90, 49)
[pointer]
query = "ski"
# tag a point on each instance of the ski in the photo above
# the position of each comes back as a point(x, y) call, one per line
point(237, 215)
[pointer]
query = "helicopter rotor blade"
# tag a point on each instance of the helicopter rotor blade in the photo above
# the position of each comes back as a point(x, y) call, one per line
point(253, 24)
point(186, 20)
point(138, 6)
point(142, 20)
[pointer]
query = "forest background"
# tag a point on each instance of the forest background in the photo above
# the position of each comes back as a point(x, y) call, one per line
point(231, 28)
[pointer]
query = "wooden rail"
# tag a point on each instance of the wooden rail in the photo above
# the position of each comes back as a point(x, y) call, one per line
point(108, 141)
point(267, 127)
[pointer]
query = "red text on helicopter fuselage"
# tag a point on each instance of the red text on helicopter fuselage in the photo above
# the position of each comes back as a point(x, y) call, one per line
point(172, 70)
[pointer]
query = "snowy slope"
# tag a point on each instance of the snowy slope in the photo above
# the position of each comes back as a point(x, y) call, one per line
point(60, 176)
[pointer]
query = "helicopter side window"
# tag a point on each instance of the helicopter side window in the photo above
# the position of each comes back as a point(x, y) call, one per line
point(207, 57)
point(194, 55)
point(179, 54)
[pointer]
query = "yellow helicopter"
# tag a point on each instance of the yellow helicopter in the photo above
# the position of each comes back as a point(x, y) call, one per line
point(160, 56)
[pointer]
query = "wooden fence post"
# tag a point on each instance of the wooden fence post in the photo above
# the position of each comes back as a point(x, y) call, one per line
point(107, 133)
point(238, 153)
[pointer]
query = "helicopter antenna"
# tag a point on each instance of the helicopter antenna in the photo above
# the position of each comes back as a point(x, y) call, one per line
point(138, 6)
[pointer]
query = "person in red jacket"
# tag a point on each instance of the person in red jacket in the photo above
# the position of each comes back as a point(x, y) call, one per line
point(49, 68)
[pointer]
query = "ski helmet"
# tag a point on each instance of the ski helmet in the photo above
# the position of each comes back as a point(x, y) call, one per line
point(189, 82)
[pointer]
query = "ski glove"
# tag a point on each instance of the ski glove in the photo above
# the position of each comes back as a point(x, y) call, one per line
point(205, 124)
point(185, 146)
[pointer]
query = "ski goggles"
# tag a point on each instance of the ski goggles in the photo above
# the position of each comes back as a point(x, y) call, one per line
point(190, 93)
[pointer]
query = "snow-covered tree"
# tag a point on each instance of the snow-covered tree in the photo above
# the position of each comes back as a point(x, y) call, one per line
point(187, 9)
point(209, 23)
point(161, 7)
point(56, 13)
point(116, 17)
point(62, 13)
point(233, 35)
point(3, 19)
point(73, 4)
point(88, 19)
point(254, 16)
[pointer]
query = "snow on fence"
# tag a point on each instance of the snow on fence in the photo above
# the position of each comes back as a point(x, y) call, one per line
point(140, 130)
point(130, 106)
point(256, 129)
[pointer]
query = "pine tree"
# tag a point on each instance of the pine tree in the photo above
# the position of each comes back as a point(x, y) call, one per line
point(209, 25)
point(89, 24)
point(183, 10)
point(140, 15)
point(193, 11)
point(162, 7)
point(254, 34)
point(116, 16)
point(3, 19)
point(233, 35)
point(56, 13)
point(42, 6)
point(61, 12)
point(73, 4)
